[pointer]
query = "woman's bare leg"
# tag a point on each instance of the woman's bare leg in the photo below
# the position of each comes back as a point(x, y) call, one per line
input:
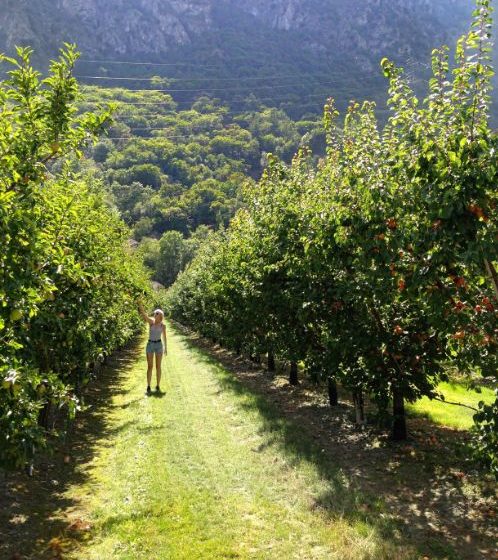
point(159, 359)
point(150, 365)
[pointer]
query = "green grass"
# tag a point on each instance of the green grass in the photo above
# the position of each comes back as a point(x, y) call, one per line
point(210, 471)
point(448, 414)
point(232, 466)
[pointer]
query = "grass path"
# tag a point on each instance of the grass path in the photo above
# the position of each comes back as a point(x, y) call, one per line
point(233, 463)
point(194, 475)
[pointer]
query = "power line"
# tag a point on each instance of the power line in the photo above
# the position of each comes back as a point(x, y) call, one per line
point(191, 135)
point(256, 99)
point(217, 79)
point(152, 128)
point(247, 58)
point(247, 90)
point(175, 137)
point(410, 62)
point(130, 63)
point(215, 128)
point(227, 114)
point(250, 88)
point(337, 74)
point(147, 128)
point(149, 138)
point(291, 97)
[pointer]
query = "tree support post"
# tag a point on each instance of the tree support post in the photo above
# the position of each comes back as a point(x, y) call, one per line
point(359, 407)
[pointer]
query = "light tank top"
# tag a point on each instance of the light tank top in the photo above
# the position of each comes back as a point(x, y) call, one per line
point(156, 331)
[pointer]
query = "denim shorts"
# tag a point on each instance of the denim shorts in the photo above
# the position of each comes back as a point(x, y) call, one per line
point(155, 347)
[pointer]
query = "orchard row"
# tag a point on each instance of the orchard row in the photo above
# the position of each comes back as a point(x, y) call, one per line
point(375, 266)
point(67, 277)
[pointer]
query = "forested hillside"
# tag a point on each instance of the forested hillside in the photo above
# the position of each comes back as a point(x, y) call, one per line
point(174, 169)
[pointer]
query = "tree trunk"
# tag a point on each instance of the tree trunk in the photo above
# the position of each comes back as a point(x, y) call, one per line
point(271, 363)
point(493, 275)
point(399, 432)
point(78, 383)
point(44, 415)
point(359, 407)
point(293, 378)
point(332, 390)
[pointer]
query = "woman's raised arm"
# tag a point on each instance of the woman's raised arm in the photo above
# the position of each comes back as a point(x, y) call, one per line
point(144, 315)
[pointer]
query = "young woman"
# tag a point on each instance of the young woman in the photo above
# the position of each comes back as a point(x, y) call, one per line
point(157, 331)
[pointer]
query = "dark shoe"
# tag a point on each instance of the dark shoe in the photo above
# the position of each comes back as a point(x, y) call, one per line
point(148, 390)
point(158, 390)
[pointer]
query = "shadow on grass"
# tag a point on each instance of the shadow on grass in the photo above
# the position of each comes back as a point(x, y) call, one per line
point(29, 525)
point(157, 395)
point(411, 494)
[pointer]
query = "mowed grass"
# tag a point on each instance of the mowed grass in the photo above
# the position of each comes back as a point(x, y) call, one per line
point(197, 474)
point(448, 414)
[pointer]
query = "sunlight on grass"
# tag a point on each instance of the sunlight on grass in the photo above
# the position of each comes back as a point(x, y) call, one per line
point(448, 414)
point(210, 471)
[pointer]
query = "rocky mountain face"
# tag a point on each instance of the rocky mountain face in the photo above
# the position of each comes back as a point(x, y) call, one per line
point(342, 38)
point(104, 27)
point(131, 27)
point(369, 28)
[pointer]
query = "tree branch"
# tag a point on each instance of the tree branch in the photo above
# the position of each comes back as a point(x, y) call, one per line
point(493, 275)
point(454, 403)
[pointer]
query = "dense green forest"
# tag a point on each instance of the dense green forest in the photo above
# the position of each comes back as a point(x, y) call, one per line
point(175, 173)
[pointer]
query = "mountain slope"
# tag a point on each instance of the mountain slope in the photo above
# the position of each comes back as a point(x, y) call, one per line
point(155, 27)
point(226, 47)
